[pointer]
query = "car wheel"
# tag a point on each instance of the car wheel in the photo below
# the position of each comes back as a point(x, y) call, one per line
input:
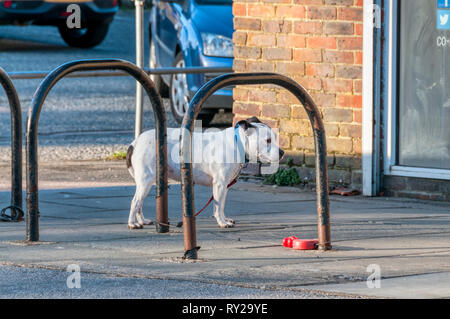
point(179, 95)
point(161, 87)
point(90, 36)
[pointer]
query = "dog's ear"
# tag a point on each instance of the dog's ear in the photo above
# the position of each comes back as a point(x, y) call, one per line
point(253, 119)
point(244, 124)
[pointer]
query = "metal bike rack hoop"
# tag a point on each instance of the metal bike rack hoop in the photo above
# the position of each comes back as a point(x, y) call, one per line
point(187, 188)
point(32, 132)
point(16, 142)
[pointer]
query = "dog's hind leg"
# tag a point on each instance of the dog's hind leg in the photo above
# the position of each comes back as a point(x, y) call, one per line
point(144, 183)
point(140, 214)
point(220, 191)
point(135, 207)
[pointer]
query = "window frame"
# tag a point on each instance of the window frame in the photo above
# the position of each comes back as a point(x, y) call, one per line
point(391, 101)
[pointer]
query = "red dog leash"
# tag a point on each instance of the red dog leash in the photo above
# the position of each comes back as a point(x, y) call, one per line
point(212, 198)
point(243, 155)
point(180, 224)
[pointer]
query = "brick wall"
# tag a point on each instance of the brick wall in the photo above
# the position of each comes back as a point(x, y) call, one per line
point(319, 44)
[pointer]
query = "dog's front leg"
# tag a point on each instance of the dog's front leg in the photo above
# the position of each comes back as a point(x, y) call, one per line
point(220, 191)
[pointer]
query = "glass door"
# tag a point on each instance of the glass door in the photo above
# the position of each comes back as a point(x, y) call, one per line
point(424, 84)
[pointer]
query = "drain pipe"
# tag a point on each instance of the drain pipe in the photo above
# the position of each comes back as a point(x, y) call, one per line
point(368, 163)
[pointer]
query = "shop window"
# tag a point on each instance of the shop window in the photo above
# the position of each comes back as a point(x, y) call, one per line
point(424, 84)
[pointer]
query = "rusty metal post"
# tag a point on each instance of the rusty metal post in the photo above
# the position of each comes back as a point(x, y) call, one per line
point(32, 133)
point(16, 142)
point(187, 185)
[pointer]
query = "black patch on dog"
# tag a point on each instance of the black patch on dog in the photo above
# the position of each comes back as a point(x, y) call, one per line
point(129, 156)
point(245, 124)
point(254, 119)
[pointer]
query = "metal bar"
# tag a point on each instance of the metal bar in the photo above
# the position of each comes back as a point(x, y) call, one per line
point(83, 74)
point(16, 141)
point(187, 182)
point(139, 8)
point(32, 133)
point(391, 61)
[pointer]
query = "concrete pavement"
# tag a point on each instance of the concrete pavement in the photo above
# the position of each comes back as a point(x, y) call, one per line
point(408, 240)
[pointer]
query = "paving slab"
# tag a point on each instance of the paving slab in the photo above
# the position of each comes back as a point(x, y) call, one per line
point(427, 286)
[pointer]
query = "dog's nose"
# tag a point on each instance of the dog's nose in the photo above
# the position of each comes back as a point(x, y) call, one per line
point(281, 153)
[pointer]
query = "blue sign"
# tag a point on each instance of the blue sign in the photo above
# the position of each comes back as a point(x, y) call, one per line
point(443, 4)
point(443, 19)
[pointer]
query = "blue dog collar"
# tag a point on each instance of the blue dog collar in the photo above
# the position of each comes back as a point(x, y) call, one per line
point(241, 149)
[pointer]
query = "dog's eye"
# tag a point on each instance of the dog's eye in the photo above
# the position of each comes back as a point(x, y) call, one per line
point(269, 141)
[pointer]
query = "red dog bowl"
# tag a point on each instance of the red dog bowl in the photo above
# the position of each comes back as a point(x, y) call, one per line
point(289, 241)
point(310, 244)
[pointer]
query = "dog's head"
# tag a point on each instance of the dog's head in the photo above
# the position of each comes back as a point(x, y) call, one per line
point(262, 141)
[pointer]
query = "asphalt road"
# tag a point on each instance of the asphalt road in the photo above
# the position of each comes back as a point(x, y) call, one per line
point(19, 282)
point(82, 118)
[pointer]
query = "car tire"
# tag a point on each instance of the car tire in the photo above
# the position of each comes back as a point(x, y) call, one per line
point(90, 36)
point(179, 95)
point(161, 87)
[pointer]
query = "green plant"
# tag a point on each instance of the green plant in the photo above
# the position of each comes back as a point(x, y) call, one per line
point(283, 177)
point(289, 162)
point(117, 156)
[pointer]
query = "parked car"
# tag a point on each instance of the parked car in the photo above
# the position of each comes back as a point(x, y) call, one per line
point(96, 16)
point(189, 33)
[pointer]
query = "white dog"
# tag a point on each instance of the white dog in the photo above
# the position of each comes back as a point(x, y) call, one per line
point(218, 158)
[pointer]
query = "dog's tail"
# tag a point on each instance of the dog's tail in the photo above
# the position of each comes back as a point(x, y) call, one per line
point(128, 159)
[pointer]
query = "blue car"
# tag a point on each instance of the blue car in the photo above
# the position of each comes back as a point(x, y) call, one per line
point(189, 33)
point(96, 16)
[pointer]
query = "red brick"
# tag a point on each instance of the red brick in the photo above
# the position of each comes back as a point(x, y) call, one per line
point(297, 12)
point(338, 56)
point(276, 111)
point(260, 10)
point(261, 39)
point(291, 41)
point(308, 27)
point(321, 13)
point(308, 55)
point(239, 9)
point(249, 109)
point(353, 14)
point(321, 43)
point(277, 54)
point(258, 95)
point(247, 24)
point(351, 101)
point(303, 142)
point(320, 69)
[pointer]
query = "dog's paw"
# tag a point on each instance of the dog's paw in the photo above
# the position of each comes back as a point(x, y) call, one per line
point(226, 225)
point(230, 221)
point(135, 226)
point(146, 222)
